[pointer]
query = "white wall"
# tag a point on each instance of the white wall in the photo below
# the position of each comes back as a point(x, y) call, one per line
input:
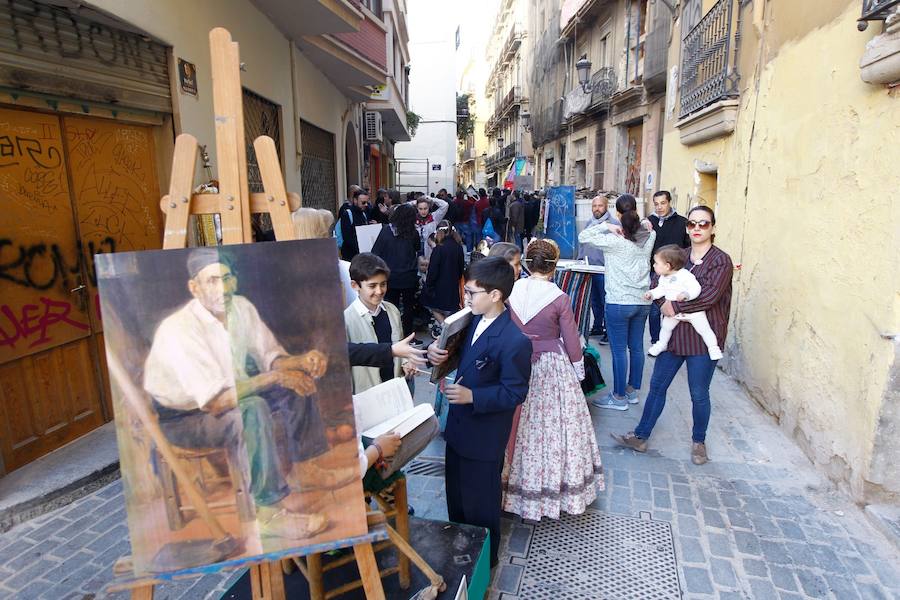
point(432, 89)
point(266, 52)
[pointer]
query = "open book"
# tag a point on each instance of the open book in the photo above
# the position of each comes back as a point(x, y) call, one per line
point(453, 336)
point(387, 408)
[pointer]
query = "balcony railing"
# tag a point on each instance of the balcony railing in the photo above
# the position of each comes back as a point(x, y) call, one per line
point(512, 98)
point(513, 41)
point(875, 10)
point(502, 158)
point(709, 55)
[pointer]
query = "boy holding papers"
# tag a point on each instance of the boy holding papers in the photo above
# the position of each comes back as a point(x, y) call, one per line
point(491, 380)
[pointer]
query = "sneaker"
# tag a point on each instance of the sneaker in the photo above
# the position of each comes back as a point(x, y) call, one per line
point(698, 453)
point(604, 340)
point(630, 440)
point(611, 402)
point(715, 353)
point(632, 396)
point(656, 349)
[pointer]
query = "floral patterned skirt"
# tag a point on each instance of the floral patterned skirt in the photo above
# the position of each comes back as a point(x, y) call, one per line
point(555, 462)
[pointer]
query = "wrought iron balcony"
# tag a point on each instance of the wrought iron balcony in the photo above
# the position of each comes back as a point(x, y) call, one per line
point(710, 57)
point(875, 10)
point(513, 41)
point(502, 158)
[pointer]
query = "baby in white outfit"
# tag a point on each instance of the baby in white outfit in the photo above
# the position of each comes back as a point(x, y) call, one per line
point(678, 284)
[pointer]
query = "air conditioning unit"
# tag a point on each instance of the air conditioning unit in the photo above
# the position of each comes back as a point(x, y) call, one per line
point(373, 127)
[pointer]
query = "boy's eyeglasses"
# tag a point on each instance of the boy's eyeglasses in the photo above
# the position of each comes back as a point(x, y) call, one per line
point(471, 293)
point(700, 224)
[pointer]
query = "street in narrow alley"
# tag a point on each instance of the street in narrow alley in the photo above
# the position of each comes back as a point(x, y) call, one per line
point(756, 522)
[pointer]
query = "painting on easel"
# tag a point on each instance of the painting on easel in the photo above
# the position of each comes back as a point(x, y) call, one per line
point(231, 390)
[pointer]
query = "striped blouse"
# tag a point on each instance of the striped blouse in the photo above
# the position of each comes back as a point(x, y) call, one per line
point(714, 273)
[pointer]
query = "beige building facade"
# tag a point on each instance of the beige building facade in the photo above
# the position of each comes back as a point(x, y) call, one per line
point(95, 93)
point(598, 128)
point(776, 129)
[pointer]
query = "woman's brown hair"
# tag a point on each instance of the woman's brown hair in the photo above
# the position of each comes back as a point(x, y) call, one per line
point(445, 230)
point(541, 256)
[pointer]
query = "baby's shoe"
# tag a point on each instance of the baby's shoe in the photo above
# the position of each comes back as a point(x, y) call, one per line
point(715, 353)
point(657, 349)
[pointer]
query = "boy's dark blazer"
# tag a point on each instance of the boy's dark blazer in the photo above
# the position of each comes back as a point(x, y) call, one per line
point(497, 369)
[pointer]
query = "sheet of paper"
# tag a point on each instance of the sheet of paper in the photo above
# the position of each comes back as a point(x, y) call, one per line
point(366, 236)
point(380, 403)
point(403, 423)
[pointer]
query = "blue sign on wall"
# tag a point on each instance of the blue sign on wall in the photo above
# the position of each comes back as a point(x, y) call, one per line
point(561, 219)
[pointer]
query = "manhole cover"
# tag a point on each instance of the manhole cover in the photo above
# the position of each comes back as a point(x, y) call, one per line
point(426, 467)
point(589, 556)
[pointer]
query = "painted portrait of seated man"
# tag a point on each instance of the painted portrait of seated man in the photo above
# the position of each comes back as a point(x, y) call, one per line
point(197, 376)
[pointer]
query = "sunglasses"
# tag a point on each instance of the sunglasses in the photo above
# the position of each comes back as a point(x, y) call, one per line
point(700, 224)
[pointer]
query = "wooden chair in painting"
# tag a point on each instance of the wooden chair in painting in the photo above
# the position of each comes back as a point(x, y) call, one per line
point(199, 463)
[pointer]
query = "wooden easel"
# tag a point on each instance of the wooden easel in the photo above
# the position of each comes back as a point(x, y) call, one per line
point(234, 203)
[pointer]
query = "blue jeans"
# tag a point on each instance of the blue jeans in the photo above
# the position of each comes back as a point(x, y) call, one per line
point(598, 302)
point(625, 328)
point(655, 322)
point(700, 369)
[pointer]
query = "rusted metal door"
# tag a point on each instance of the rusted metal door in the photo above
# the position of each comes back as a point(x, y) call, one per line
point(61, 200)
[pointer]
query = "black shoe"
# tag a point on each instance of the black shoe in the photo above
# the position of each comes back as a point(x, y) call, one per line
point(604, 340)
point(410, 510)
point(417, 343)
point(595, 333)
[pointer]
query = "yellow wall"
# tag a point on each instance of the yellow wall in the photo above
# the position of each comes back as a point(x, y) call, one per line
point(807, 202)
point(266, 52)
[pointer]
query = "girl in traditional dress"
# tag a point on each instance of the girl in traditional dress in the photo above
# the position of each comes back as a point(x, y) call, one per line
point(554, 461)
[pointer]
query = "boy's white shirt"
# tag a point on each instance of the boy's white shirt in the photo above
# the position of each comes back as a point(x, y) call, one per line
point(681, 281)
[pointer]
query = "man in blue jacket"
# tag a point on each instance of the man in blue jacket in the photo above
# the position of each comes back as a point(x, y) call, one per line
point(491, 381)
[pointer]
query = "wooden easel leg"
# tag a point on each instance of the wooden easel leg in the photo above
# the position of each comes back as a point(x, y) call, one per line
point(401, 505)
point(142, 593)
point(314, 577)
point(267, 581)
point(368, 571)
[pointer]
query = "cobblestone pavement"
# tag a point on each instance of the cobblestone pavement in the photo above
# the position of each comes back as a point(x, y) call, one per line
point(757, 522)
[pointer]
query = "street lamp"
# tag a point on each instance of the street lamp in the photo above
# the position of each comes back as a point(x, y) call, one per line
point(526, 120)
point(583, 67)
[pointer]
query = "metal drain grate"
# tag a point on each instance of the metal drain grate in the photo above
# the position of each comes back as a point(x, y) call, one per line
point(591, 556)
point(426, 467)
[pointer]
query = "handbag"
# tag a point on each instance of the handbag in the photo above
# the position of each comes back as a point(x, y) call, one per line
point(593, 378)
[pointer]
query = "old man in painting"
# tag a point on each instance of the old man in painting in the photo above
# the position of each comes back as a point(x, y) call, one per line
point(196, 372)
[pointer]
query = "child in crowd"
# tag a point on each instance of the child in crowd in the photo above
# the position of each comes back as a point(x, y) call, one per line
point(511, 254)
point(445, 270)
point(372, 320)
point(678, 284)
point(491, 381)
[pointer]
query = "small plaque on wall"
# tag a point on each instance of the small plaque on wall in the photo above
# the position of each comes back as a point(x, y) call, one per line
point(187, 77)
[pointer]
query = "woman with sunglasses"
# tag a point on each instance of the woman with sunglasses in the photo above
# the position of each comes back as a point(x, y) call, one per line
point(626, 249)
point(713, 269)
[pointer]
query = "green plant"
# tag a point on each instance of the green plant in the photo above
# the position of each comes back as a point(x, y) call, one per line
point(412, 122)
point(465, 123)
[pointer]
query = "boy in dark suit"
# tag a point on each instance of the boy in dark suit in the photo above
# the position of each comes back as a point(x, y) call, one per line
point(491, 380)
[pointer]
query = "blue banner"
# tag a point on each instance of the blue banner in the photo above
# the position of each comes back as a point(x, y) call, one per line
point(561, 219)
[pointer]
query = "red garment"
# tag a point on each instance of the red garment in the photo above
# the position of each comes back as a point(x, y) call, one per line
point(483, 204)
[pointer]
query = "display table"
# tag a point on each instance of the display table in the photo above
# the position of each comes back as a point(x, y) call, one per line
point(574, 278)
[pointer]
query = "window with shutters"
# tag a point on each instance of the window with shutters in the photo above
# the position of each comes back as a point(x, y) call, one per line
point(599, 156)
point(318, 174)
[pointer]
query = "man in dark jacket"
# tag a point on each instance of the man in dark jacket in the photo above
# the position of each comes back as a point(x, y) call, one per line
point(670, 228)
point(532, 214)
point(351, 215)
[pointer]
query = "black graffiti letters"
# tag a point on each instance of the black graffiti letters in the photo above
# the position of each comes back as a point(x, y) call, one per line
point(20, 147)
point(42, 266)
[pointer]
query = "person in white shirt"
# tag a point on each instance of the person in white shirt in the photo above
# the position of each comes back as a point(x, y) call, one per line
point(678, 284)
point(196, 374)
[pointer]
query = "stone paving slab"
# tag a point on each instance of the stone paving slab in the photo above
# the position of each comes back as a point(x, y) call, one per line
point(757, 522)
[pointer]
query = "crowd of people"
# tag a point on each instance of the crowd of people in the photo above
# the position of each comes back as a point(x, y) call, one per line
point(519, 435)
